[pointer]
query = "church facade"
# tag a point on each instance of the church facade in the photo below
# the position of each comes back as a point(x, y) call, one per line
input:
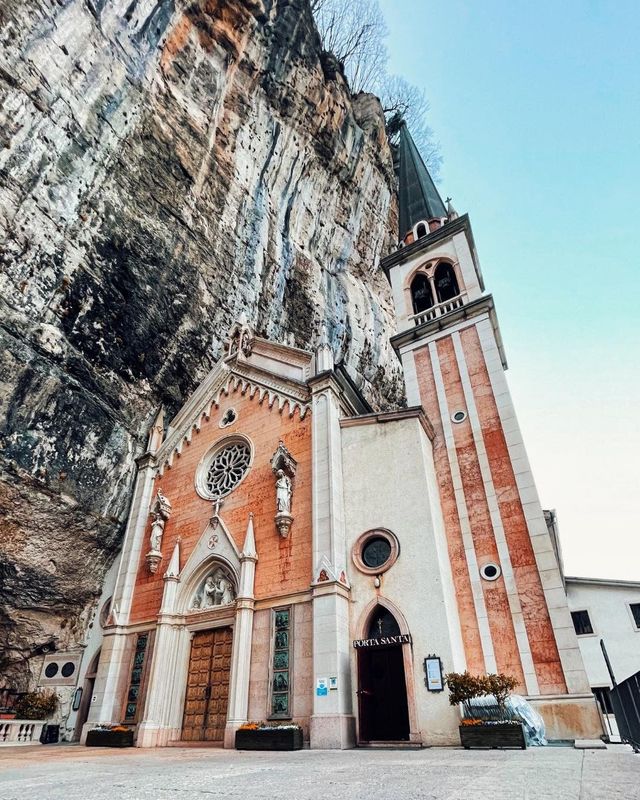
point(293, 555)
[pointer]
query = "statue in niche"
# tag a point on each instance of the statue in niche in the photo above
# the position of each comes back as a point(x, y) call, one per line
point(283, 493)
point(284, 468)
point(217, 590)
point(160, 513)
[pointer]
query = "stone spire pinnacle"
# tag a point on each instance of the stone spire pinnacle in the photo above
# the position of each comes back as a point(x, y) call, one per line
point(418, 198)
point(249, 547)
point(173, 570)
point(156, 434)
point(324, 353)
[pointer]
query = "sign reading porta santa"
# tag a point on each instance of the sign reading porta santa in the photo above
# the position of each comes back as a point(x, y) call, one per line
point(383, 641)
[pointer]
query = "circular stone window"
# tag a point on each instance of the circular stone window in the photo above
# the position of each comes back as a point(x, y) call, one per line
point(458, 416)
point(223, 469)
point(490, 572)
point(375, 551)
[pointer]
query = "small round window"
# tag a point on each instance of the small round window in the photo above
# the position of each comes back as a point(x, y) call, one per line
point(490, 572)
point(222, 471)
point(459, 416)
point(375, 551)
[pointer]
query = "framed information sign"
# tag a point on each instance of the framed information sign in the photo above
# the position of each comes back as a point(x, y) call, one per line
point(433, 674)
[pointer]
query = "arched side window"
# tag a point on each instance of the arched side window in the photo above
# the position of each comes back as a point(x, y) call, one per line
point(421, 230)
point(382, 623)
point(421, 295)
point(445, 282)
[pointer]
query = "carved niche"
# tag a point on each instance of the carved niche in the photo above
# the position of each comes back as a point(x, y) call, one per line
point(284, 468)
point(160, 513)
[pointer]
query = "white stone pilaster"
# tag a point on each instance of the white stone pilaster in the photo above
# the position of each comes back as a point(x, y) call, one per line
point(156, 728)
point(332, 722)
point(242, 639)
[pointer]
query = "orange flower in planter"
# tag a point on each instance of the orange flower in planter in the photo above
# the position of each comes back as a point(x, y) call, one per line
point(249, 726)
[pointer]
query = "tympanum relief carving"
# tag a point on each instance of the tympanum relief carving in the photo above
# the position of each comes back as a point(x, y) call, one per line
point(217, 589)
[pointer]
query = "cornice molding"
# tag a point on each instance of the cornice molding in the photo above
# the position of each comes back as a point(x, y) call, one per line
point(415, 412)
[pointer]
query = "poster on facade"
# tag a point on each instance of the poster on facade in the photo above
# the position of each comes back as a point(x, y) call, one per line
point(433, 671)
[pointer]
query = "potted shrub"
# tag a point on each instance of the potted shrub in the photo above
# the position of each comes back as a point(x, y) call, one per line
point(36, 705)
point(485, 725)
point(260, 736)
point(110, 736)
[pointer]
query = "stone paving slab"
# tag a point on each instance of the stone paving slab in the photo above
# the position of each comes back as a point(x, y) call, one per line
point(68, 772)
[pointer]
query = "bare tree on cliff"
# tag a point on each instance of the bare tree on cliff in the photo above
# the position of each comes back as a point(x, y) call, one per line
point(355, 32)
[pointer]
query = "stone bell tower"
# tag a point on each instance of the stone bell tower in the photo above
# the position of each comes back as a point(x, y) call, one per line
point(511, 601)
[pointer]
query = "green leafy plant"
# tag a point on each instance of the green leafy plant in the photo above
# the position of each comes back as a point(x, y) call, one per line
point(37, 705)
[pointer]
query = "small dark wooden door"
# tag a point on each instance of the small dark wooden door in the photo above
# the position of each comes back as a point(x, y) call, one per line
point(207, 697)
point(382, 695)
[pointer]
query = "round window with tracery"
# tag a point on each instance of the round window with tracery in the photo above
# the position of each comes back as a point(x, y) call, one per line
point(223, 471)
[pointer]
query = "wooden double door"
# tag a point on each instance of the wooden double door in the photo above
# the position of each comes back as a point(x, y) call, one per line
point(207, 696)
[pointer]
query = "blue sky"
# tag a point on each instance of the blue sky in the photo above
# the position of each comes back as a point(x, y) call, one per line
point(537, 111)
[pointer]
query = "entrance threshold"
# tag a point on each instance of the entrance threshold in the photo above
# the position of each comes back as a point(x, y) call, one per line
point(391, 745)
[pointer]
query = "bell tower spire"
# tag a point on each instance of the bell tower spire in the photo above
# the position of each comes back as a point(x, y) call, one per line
point(421, 209)
point(506, 576)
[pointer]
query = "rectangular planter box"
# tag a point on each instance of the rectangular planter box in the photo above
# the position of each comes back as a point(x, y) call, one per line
point(502, 735)
point(100, 738)
point(274, 739)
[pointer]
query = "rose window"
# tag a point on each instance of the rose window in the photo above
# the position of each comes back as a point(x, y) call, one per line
point(227, 468)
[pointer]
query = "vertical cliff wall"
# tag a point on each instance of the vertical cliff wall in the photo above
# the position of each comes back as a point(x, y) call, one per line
point(163, 166)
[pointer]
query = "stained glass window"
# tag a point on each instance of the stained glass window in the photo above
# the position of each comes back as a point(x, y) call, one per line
point(281, 675)
point(135, 682)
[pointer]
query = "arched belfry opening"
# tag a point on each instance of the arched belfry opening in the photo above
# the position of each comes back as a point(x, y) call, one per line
point(421, 294)
point(445, 282)
point(383, 713)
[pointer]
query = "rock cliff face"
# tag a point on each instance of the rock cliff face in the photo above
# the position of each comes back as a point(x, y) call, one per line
point(164, 165)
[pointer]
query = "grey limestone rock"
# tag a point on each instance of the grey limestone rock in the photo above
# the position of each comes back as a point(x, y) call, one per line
point(164, 165)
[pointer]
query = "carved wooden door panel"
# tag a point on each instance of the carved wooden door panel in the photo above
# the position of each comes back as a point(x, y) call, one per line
point(207, 696)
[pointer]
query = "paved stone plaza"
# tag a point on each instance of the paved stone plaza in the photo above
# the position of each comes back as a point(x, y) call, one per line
point(79, 773)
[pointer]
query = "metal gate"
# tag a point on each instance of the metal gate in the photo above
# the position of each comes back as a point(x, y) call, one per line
point(625, 698)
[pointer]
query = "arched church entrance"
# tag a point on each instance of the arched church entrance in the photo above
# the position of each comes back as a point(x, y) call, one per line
point(383, 713)
point(207, 695)
point(207, 690)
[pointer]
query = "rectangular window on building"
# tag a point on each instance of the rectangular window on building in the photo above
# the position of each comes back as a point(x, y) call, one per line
point(581, 622)
point(635, 611)
point(136, 679)
point(281, 665)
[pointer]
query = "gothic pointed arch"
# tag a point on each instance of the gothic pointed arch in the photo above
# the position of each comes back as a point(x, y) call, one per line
point(383, 606)
point(213, 583)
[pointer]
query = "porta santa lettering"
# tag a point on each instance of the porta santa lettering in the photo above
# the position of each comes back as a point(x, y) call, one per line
point(383, 641)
